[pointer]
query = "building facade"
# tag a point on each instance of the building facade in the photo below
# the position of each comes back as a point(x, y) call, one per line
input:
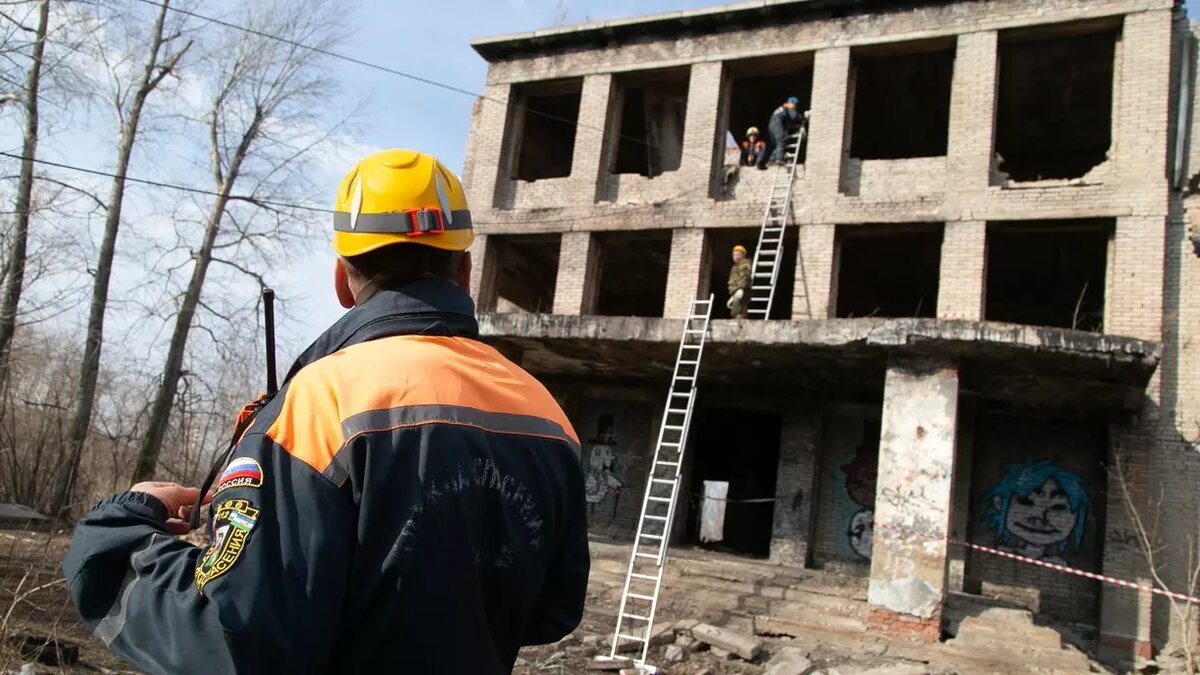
point(980, 333)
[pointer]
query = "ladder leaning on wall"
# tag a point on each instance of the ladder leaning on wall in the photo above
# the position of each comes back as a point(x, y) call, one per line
point(643, 581)
point(768, 252)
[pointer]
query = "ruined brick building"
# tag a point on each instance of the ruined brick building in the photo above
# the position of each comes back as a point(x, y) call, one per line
point(984, 301)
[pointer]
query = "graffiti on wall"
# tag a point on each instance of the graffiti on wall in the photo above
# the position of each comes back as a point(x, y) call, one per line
point(1038, 509)
point(605, 470)
point(860, 480)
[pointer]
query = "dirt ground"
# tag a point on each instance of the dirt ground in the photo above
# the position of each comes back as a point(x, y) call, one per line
point(34, 604)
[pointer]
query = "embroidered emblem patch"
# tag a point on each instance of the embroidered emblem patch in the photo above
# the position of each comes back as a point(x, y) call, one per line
point(241, 472)
point(232, 522)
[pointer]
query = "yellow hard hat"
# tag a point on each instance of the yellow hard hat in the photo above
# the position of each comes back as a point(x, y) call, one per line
point(739, 247)
point(400, 197)
point(752, 131)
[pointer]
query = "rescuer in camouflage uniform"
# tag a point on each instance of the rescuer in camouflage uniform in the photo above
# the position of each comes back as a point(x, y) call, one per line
point(739, 284)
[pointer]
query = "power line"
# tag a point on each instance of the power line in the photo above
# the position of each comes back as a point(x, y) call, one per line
point(304, 207)
point(169, 186)
point(393, 71)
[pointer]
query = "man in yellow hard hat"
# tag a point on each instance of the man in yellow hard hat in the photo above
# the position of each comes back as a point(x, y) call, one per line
point(739, 284)
point(409, 501)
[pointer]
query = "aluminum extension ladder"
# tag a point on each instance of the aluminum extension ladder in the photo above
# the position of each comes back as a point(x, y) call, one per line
point(643, 581)
point(767, 254)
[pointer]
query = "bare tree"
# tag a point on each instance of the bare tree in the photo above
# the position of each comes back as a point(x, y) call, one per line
point(267, 93)
point(1145, 519)
point(14, 264)
point(161, 61)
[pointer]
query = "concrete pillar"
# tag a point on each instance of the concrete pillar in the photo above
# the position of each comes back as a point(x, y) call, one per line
point(907, 590)
point(484, 272)
point(700, 123)
point(961, 280)
point(589, 164)
point(972, 112)
point(795, 486)
point(814, 272)
point(578, 274)
point(827, 126)
point(483, 164)
point(683, 277)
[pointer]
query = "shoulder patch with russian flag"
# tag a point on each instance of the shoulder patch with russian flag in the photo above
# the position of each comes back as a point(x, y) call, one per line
point(241, 472)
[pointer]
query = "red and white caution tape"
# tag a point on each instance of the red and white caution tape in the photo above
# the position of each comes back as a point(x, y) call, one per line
point(1052, 566)
point(1077, 572)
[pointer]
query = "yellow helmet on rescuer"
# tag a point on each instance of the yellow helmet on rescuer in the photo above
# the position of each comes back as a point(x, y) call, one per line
point(400, 196)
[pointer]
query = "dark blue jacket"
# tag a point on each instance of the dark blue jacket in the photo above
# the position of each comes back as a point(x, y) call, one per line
point(409, 502)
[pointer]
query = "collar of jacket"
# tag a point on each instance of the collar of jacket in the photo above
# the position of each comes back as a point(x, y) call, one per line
point(423, 307)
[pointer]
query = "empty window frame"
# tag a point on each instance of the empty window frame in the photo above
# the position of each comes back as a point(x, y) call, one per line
point(1048, 273)
point(756, 87)
point(546, 115)
point(719, 243)
point(526, 272)
point(901, 104)
point(1054, 101)
point(653, 107)
point(633, 273)
point(888, 271)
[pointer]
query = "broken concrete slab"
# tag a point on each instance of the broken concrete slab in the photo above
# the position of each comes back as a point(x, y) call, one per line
point(789, 661)
point(723, 654)
point(745, 646)
point(662, 634)
point(897, 670)
point(605, 663)
point(675, 654)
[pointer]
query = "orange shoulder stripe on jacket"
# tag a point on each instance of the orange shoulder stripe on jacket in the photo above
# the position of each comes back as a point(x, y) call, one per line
point(400, 371)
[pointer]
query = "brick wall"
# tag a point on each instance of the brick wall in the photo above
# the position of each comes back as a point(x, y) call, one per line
point(683, 277)
point(617, 429)
point(846, 434)
point(796, 482)
point(960, 293)
point(578, 274)
point(1010, 454)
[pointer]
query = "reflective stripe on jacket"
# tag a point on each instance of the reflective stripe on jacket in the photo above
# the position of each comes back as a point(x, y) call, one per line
point(410, 502)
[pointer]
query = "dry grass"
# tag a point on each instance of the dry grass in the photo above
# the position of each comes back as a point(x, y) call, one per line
point(34, 601)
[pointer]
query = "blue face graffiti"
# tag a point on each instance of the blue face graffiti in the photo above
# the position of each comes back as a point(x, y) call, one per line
point(1037, 508)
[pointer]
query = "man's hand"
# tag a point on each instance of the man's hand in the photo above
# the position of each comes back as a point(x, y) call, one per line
point(737, 295)
point(178, 500)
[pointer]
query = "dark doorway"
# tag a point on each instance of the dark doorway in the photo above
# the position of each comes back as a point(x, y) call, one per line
point(548, 115)
point(888, 271)
point(633, 273)
point(758, 86)
point(742, 448)
point(1048, 273)
point(720, 243)
point(653, 108)
point(527, 270)
point(1054, 100)
point(902, 100)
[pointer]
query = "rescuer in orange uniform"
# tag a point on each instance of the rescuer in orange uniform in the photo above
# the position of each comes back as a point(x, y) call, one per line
point(410, 501)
